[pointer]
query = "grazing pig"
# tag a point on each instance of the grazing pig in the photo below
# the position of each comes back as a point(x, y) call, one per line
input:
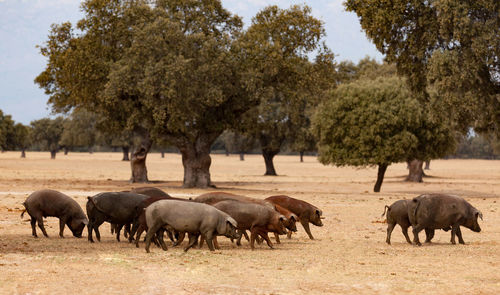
point(190, 217)
point(257, 218)
point(397, 213)
point(305, 211)
point(48, 202)
point(113, 207)
point(441, 211)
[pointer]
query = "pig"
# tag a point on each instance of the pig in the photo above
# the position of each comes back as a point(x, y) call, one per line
point(193, 218)
point(307, 213)
point(142, 225)
point(113, 207)
point(442, 211)
point(48, 202)
point(397, 213)
point(147, 191)
point(259, 219)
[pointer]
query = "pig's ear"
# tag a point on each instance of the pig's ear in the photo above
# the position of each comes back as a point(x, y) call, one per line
point(282, 219)
point(478, 213)
point(293, 218)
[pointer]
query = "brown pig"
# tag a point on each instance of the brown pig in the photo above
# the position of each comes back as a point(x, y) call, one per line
point(257, 218)
point(48, 202)
point(305, 211)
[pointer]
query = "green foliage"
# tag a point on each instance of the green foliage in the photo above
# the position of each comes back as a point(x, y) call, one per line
point(80, 129)
point(6, 131)
point(478, 146)
point(22, 136)
point(281, 42)
point(373, 122)
point(236, 142)
point(450, 45)
point(47, 132)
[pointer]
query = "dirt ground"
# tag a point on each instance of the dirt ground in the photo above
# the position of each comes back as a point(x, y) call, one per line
point(348, 256)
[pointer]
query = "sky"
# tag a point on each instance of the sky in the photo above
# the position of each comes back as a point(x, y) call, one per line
point(24, 24)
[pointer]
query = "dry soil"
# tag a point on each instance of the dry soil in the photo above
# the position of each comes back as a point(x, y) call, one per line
point(348, 256)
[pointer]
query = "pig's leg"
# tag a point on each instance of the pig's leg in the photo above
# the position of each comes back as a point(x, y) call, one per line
point(180, 239)
point(277, 237)
point(159, 234)
point(416, 229)
point(202, 240)
point(238, 240)
point(453, 233)
point(305, 224)
point(192, 240)
point(390, 228)
point(429, 234)
point(216, 244)
point(96, 230)
point(209, 237)
point(289, 234)
point(126, 230)
point(138, 235)
point(33, 227)
point(246, 235)
point(89, 226)
point(264, 235)
point(459, 235)
point(405, 233)
point(133, 231)
point(150, 234)
point(39, 220)
point(253, 235)
point(118, 230)
point(62, 223)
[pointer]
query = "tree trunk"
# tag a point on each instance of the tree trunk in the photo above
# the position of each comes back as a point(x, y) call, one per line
point(66, 150)
point(125, 150)
point(415, 171)
point(138, 161)
point(242, 156)
point(162, 154)
point(268, 160)
point(91, 150)
point(53, 154)
point(301, 157)
point(380, 177)
point(428, 165)
point(196, 161)
point(23, 153)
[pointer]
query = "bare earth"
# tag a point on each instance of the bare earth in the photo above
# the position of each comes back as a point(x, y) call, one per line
point(348, 256)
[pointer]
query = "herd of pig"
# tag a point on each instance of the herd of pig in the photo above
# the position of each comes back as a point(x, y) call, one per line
point(154, 211)
point(223, 214)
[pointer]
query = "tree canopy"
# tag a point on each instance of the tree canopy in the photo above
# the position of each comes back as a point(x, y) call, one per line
point(47, 133)
point(171, 69)
point(283, 40)
point(451, 45)
point(378, 122)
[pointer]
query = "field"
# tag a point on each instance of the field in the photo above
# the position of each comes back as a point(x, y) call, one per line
point(348, 256)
